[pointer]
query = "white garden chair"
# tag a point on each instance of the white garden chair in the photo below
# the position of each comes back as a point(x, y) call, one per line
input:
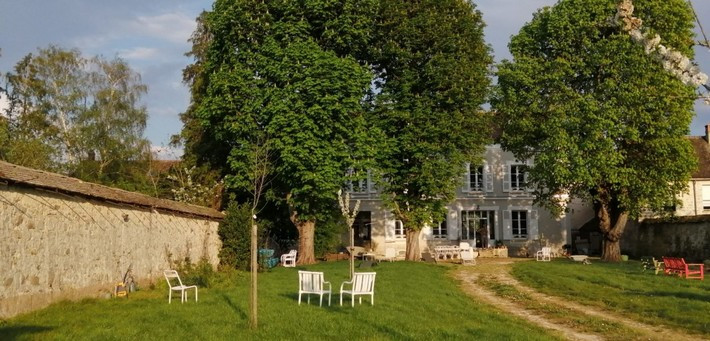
point(390, 254)
point(544, 255)
point(289, 259)
point(363, 283)
point(171, 275)
point(468, 256)
point(310, 282)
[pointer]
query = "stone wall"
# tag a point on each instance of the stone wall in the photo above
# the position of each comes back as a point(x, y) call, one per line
point(687, 237)
point(54, 246)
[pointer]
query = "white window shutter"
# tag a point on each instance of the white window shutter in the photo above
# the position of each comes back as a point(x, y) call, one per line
point(532, 225)
point(428, 233)
point(389, 228)
point(370, 185)
point(507, 225)
point(467, 178)
point(452, 225)
point(488, 176)
point(506, 179)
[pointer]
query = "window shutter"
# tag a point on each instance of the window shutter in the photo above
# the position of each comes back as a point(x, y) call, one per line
point(389, 228)
point(370, 185)
point(488, 176)
point(467, 178)
point(506, 179)
point(428, 233)
point(532, 225)
point(507, 227)
point(452, 225)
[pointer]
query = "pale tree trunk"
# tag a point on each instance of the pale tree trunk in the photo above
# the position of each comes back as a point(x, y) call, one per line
point(253, 288)
point(612, 225)
point(413, 253)
point(306, 238)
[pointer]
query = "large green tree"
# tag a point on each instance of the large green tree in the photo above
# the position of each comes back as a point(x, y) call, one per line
point(602, 119)
point(77, 115)
point(431, 67)
point(284, 73)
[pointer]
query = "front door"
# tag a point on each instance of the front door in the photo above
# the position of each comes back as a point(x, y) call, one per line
point(362, 228)
point(478, 227)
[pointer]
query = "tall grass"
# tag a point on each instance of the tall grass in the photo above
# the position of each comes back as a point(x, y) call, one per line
point(413, 301)
point(624, 288)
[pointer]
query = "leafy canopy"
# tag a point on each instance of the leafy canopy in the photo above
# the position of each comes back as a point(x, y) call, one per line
point(285, 73)
point(601, 118)
point(431, 67)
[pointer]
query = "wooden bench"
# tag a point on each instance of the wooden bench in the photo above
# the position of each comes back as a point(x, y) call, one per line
point(651, 263)
point(678, 266)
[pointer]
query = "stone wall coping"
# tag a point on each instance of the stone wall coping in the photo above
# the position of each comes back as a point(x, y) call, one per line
point(19, 175)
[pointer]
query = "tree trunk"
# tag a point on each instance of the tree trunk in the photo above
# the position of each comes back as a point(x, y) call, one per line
point(254, 268)
point(612, 223)
point(413, 253)
point(306, 238)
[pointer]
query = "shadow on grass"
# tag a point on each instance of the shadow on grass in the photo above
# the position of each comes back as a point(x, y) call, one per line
point(236, 308)
point(14, 332)
point(679, 294)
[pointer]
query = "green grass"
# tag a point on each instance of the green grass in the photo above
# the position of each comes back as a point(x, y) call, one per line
point(582, 323)
point(413, 301)
point(624, 288)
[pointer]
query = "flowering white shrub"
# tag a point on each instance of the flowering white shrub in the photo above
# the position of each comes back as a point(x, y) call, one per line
point(191, 192)
point(673, 61)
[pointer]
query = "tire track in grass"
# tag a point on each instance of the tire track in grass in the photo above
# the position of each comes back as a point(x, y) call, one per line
point(491, 282)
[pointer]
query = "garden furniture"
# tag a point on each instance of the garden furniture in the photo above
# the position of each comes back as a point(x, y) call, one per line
point(172, 274)
point(363, 283)
point(651, 263)
point(311, 282)
point(390, 254)
point(544, 255)
point(289, 259)
point(468, 256)
point(445, 252)
point(678, 266)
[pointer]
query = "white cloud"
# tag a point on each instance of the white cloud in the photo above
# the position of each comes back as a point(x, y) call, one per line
point(140, 52)
point(175, 27)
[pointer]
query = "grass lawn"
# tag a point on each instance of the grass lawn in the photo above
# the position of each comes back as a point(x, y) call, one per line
point(624, 288)
point(412, 301)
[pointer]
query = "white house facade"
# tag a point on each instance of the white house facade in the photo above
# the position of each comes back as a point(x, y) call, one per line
point(492, 208)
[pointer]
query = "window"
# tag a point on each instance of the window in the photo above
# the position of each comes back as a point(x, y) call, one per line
point(399, 229)
point(439, 230)
point(517, 177)
point(476, 178)
point(706, 197)
point(520, 224)
point(363, 185)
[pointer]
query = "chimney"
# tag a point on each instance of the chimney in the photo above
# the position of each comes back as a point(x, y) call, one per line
point(707, 133)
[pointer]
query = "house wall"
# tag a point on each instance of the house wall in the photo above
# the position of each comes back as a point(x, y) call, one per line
point(54, 246)
point(495, 195)
point(692, 199)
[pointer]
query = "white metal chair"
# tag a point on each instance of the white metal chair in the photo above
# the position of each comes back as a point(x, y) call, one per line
point(289, 259)
point(544, 254)
point(468, 256)
point(311, 282)
point(172, 274)
point(390, 254)
point(363, 283)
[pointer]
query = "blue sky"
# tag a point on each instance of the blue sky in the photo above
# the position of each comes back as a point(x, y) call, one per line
point(152, 37)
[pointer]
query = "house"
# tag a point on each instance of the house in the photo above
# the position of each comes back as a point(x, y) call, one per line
point(696, 201)
point(492, 207)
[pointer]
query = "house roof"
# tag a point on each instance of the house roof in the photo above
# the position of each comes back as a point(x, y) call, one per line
point(29, 177)
point(702, 151)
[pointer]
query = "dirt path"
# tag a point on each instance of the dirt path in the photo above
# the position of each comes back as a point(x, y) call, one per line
point(498, 269)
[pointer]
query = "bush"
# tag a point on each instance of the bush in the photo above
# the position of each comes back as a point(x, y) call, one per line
point(201, 274)
point(329, 235)
point(235, 233)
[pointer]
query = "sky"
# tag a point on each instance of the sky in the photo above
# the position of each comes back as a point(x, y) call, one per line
point(152, 37)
